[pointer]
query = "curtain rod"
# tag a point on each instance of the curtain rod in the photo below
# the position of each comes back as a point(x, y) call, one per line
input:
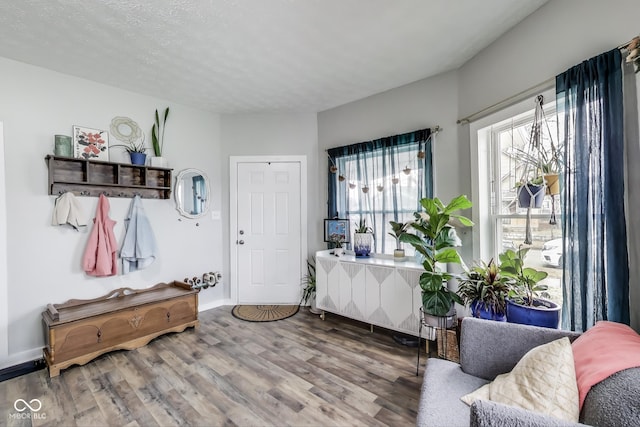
point(434, 131)
point(547, 84)
point(624, 46)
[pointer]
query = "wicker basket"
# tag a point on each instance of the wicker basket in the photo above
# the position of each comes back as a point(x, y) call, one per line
point(450, 341)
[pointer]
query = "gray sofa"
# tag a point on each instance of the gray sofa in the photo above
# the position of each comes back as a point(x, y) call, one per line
point(489, 348)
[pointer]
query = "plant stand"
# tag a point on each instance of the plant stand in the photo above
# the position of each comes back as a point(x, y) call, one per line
point(443, 334)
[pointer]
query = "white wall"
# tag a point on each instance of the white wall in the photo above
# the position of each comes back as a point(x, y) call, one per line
point(4, 303)
point(556, 37)
point(43, 260)
point(272, 135)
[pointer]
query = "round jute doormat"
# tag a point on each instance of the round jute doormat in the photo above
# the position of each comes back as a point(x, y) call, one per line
point(264, 313)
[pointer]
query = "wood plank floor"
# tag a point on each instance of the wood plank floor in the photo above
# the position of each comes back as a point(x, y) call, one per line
point(300, 371)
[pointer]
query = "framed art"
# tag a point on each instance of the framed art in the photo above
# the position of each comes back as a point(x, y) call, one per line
point(336, 230)
point(90, 144)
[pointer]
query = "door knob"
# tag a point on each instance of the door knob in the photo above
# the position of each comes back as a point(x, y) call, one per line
point(241, 242)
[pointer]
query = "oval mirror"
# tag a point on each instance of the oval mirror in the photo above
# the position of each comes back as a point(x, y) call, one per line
point(192, 193)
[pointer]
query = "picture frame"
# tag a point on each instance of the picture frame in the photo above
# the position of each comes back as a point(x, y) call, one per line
point(90, 144)
point(335, 229)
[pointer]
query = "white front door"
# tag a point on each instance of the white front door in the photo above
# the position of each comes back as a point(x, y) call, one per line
point(268, 232)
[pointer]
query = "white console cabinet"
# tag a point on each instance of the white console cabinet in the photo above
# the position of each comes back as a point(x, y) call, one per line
point(378, 291)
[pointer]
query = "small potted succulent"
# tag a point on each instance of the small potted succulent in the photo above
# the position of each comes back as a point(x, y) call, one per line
point(136, 150)
point(397, 230)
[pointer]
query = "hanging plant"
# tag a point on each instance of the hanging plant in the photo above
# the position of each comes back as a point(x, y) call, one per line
point(365, 189)
point(421, 154)
point(395, 180)
point(407, 170)
point(380, 187)
point(341, 178)
point(352, 185)
point(333, 169)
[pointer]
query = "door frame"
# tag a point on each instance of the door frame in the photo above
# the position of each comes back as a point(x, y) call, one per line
point(233, 210)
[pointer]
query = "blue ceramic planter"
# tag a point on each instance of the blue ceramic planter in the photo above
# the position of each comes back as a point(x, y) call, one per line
point(481, 311)
point(543, 313)
point(138, 158)
point(524, 198)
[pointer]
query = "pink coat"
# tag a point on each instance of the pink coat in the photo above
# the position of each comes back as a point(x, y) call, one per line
point(100, 255)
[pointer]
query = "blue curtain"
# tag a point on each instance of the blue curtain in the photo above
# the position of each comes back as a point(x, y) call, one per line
point(590, 119)
point(381, 180)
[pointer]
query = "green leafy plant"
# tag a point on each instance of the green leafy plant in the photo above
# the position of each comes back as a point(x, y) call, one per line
point(397, 230)
point(485, 285)
point(361, 226)
point(157, 132)
point(336, 241)
point(524, 281)
point(436, 240)
point(133, 147)
point(309, 282)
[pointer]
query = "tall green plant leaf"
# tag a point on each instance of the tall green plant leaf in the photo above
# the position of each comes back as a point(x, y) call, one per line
point(459, 203)
point(448, 255)
point(154, 141)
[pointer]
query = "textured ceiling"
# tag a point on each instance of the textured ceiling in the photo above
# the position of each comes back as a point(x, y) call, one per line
point(235, 56)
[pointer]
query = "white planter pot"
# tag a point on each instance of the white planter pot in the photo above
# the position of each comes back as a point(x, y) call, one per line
point(362, 244)
point(159, 162)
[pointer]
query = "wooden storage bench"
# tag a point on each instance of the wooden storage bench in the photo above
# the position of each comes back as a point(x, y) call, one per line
point(81, 330)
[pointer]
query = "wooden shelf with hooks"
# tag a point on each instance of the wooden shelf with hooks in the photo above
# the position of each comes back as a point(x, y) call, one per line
point(92, 178)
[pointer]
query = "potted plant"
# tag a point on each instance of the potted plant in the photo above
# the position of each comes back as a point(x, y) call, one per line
point(337, 242)
point(526, 303)
point(362, 239)
point(484, 289)
point(309, 286)
point(157, 139)
point(436, 241)
point(397, 230)
point(531, 193)
point(136, 152)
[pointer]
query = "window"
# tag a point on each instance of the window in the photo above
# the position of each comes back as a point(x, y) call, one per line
point(381, 181)
point(505, 154)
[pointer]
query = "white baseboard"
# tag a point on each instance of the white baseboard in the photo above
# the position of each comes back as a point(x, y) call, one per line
point(22, 357)
point(214, 304)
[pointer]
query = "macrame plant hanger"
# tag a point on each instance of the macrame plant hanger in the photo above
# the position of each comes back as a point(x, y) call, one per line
point(531, 173)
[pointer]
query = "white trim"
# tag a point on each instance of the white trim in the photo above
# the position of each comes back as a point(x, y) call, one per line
point(233, 214)
point(4, 288)
point(214, 304)
point(479, 134)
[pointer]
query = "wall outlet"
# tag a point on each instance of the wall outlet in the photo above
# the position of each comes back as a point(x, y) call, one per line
point(215, 215)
